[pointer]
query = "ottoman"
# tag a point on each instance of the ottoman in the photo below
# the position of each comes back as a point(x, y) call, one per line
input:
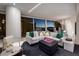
point(48, 48)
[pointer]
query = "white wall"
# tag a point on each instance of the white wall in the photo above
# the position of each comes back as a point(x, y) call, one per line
point(13, 22)
point(77, 31)
point(77, 25)
point(70, 27)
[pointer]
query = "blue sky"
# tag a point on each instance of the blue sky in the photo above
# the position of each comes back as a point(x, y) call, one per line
point(41, 23)
point(50, 23)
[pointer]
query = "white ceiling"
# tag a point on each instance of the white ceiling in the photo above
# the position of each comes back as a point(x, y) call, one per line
point(45, 10)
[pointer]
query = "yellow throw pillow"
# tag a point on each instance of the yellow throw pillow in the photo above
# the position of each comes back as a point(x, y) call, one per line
point(46, 33)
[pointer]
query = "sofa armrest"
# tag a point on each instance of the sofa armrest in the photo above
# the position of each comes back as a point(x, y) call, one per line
point(17, 44)
point(29, 39)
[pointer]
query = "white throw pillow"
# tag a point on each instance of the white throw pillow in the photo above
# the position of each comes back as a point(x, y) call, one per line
point(53, 34)
point(27, 33)
point(35, 34)
point(42, 33)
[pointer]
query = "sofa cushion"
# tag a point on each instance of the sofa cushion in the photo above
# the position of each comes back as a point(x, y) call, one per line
point(41, 33)
point(35, 33)
point(53, 34)
point(60, 35)
point(31, 34)
point(46, 33)
point(27, 33)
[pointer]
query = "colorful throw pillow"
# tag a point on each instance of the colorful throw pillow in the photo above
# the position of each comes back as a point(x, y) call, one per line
point(60, 35)
point(31, 34)
point(46, 33)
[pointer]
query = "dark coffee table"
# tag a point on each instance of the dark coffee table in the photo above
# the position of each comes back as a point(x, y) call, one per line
point(49, 48)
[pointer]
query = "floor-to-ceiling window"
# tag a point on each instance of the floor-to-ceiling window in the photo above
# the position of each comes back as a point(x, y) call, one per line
point(27, 25)
point(50, 25)
point(2, 26)
point(34, 24)
point(39, 24)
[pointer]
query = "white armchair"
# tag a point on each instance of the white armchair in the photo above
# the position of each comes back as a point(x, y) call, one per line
point(19, 42)
point(9, 41)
